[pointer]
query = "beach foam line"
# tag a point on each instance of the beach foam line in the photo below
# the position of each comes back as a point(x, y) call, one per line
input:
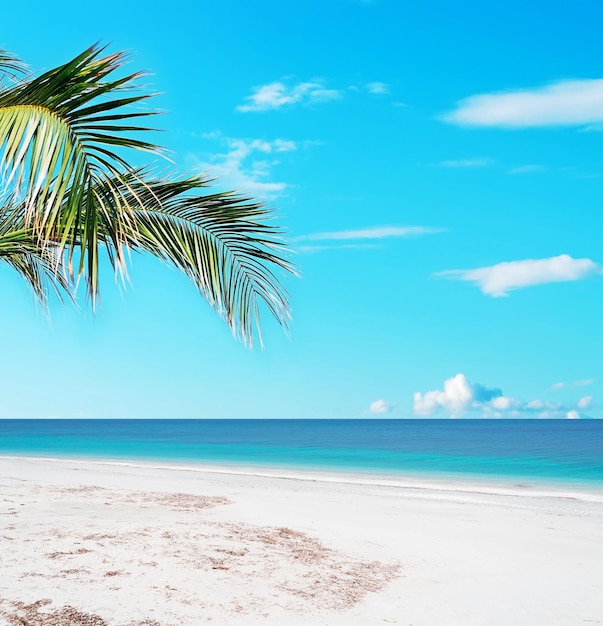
point(415, 486)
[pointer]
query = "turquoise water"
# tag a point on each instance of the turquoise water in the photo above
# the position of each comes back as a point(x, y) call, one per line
point(556, 451)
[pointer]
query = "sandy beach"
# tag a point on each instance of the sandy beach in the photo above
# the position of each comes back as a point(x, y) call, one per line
point(125, 544)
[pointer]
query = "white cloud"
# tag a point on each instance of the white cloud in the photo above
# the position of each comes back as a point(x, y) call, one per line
point(379, 407)
point(378, 88)
point(461, 397)
point(572, 415)
point(498, 280)
point(276, 95)
point(535, 404)
point(458, 396)
point(467, 163)
point(350, 246)
point(564, 103)
point(375, 232)
point(585, 402)
point(502, 403)
point(241, 169)
point(583, 383)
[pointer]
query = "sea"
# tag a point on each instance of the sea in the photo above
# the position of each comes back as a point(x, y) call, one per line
point(532, 452)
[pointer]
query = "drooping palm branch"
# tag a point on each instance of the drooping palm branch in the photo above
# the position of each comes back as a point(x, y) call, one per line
point(63, 139)
point(225, 243)
point(40, 267)
point(10, 65)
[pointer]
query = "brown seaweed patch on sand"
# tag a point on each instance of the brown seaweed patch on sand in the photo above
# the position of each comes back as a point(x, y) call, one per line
point(82, 490)
point(30, 615)
point(58, 555)
point(345, 585)
point(39, 614)
point(324, 577)
point(174, 501)
point(298, 546)
point(183, 501)
point(99, 536)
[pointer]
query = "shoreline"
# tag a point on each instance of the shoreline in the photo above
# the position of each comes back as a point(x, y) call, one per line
point(419, 482)
point(133, 543)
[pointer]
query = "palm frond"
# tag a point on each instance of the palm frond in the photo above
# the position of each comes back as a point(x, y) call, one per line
point(10, 66)
point(41, 268)
point(64, 139)
point(224, 243)
point(61, 137)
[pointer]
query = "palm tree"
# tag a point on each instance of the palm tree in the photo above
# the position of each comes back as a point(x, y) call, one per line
point(71, 192)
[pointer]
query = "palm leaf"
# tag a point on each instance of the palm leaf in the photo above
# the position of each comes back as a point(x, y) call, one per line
point(41, 268)
point(61, 137)
point(225, 244)
point(10, 66)
point(64, 137)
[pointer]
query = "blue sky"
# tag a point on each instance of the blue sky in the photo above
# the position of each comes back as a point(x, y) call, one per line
point(439, 168)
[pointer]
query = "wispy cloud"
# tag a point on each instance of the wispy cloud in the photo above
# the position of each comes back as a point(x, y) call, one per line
point(460, 397)
point(564, 103)
point(322, 248)
point(585, 402)
point(374, 232)
point(247, 164)
point(528, 169)
point(467, 163)
point(593, 128)
point(498, 280)
point(585, 382)
point(378, 88)
point(277, 95)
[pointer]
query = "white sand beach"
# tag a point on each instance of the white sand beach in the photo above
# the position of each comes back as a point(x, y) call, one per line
point(125, 545)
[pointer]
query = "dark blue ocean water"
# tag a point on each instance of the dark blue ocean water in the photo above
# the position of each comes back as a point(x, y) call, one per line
point(559, 451)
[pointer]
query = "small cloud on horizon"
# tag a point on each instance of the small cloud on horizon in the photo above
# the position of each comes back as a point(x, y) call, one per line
point(380, 407)
point(585, 382)
point(585, 402)
point(460, 397)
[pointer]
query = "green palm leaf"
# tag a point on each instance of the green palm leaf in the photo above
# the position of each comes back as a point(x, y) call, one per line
point(61, 136)
point(41, 268)
point(64, 137)
point(10, 66)
point(225, 243)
